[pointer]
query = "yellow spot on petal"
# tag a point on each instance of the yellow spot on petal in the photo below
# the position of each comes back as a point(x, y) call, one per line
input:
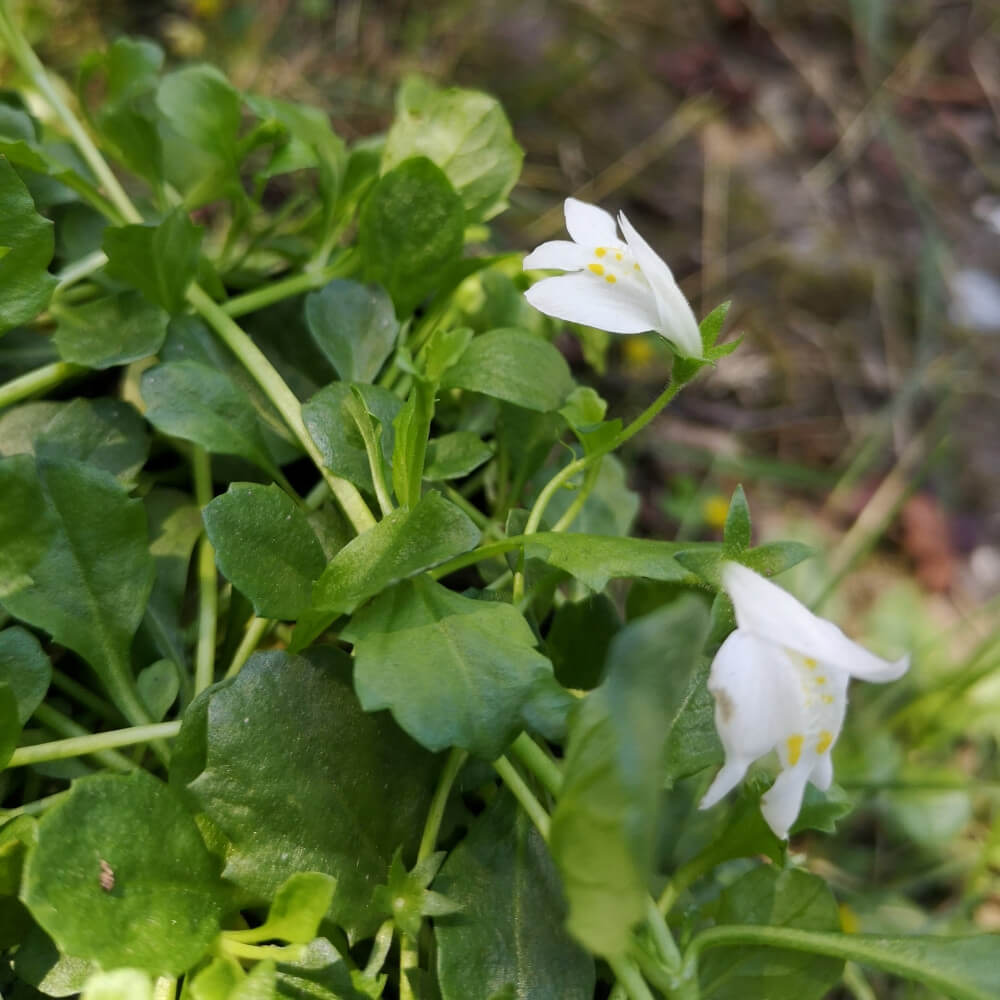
point(810, 663)
point(618, 256)
point(636, 266)
point(610, 279)
point(824, 741)
point(596, 268)
point(794, 744)
point(820, 679)
point(600, 252)
point(828, 699)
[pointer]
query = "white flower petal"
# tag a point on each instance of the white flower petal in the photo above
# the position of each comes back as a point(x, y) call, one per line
point(558, 254)
point(782, 802)
point(582, 298)
point(677, 320)
point(590, 225)
point(758, 704)
point(822, 775)
point(766, 610)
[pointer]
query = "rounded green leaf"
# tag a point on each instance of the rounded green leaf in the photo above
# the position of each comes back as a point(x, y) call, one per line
point(26, 668)
point(121, 984)
point(513, 365)
point(26, 246)
point(299, 778)
point(158, 685)
point(25, 531)
point(110, 331)
point(265, 547)
point(454, 455)
point(121, 876)
point(508, 933)
point(354, 325)
point(453, 671)
point(466, 133)
point(412, 230)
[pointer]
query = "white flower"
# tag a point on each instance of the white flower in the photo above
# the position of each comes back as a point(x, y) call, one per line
point(780, 683)
point(615, 286)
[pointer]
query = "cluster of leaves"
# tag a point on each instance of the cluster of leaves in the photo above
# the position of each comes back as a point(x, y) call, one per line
point(279, 597)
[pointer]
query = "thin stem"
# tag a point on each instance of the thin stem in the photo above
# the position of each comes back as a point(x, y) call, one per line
point(35, 807)
point(578, 465)
point(165, 988)
point(524, 795)
point(39, 380)
point(80, 269)
point(538, 762)
point(483, 552)
point(255, 631)
point(98, 745)
point(255, 362)
point(432, 826)
point(589, 482)
point(208, 588)
point(630, 979)
point(85, 697)
point(285, 288)
point(262, 952)
point(25, 57)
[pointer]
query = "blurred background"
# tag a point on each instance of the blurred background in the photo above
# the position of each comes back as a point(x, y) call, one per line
point(833, 167)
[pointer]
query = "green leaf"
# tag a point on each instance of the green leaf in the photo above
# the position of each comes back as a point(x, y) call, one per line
point(412, 230)
point(595, 559)
point(192, 401)
point(509, 932)
point(584, 409)
point(401, 545)
point(215, 981)
point(609, 509)
point(163, 909)
point(109, 331)
point(412, 426)
point(301, 806)
point(578, 639)
point(736, 534)
point(158, 686)
point(329, 424)
point(24, 533)
point(299, 905)
point(158, 260)
point(513, 365)
point(265, 547)
point(27, 239)
point(406, 898)
point(773, 898)
point(106, 433)
point(201, 122)
point(320, 974)
point(453, 671)
point(455, 455)
point(605, 824)
point(466, 133)
point(38, 963)
point(773, 558)
point(120, 984)
point(693, 742)
point(711, 326)
point(26, 668)
point(355, 326)
point(10, 723)
point(90, 587)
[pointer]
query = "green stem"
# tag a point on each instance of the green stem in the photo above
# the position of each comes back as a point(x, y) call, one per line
point(165, 988)
point(630, 979)
point(483, 552)
point(39, 380)
point(85, 697)
point(80, 269)
point(35, 807)
point(284, 288)
point(208, 587)
point(380, 949)
point(471, 511)
point(538, 762)
point(98, 745)
point(262, 952)
point(255, 362)
point(589, 482)
point(578, 465)
point(255, 631)
point(524, 795)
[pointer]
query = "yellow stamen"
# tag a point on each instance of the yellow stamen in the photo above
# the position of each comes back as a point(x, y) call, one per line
point(824, 741)
point(596, 268)
point(794, 744)
point(828, 699)
point(636, 266)
point(610, 279)
point(600, 252)
point(810, 663)
point(820, 679)
point(618, 256)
